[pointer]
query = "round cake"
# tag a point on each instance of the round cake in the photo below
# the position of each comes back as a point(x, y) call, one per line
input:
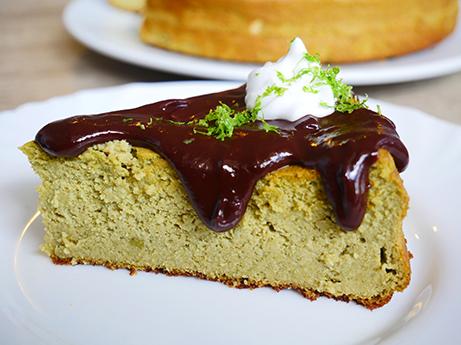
point(258, 30)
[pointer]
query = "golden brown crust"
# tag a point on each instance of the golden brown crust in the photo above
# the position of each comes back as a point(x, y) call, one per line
point(340, 31)
point(243, 283)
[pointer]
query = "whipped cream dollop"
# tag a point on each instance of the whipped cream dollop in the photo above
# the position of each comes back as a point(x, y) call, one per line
point(290, 88)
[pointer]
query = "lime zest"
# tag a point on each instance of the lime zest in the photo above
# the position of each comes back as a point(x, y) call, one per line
point(221, 121)
point(188, 141)
point(346, 101)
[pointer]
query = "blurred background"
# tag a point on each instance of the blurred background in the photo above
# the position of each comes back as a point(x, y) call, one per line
point(40, 59)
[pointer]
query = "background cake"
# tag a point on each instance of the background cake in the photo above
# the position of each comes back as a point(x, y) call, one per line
point(257, 31)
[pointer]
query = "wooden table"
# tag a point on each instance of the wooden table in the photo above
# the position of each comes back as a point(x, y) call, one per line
point(39, 60)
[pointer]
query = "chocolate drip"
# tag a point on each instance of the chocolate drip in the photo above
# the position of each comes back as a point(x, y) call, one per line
point(219, 176)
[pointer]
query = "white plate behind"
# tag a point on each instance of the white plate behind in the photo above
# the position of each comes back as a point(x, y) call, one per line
point(114, 33)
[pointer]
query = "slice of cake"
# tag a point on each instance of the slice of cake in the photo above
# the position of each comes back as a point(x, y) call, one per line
point(225, 187)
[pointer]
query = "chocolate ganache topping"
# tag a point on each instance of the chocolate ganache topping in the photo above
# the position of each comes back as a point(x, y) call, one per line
point(219, 176)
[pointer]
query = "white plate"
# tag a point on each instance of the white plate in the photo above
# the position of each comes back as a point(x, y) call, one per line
point(41, 303)
point(114, 33)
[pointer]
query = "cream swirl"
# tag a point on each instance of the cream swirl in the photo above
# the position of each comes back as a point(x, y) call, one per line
point(289, 89)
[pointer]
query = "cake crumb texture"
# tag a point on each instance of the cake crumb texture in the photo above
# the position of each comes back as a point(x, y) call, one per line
point(124, 207)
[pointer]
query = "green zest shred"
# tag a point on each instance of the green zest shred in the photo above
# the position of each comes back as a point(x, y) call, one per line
point(221, 121)
point(188, 141)
point(346, 101)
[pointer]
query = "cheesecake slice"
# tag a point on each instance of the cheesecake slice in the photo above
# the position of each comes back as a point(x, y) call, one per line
point(288, 181)
point(125, 207)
